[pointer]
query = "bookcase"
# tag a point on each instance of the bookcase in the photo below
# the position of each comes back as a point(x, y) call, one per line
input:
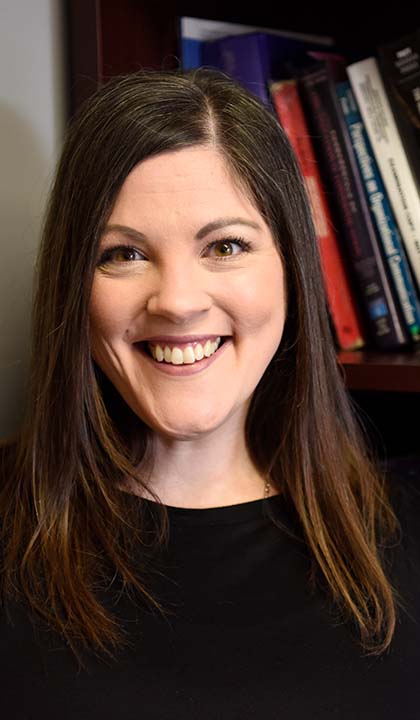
point(110, 37)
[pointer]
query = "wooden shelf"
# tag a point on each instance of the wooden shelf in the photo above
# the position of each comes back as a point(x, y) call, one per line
point(390, 372)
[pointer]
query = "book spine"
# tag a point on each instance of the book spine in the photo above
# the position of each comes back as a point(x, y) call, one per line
point(382, 313)
point(399, 65)
point(255, 58)
point(244, 57)
point(371, 98)
point(341, 300)
point(381, 211)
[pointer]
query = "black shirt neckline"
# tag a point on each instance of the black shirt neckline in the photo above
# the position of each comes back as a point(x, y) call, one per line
point(225, 514)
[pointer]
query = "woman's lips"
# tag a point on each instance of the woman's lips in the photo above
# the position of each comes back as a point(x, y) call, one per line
point(187, 369)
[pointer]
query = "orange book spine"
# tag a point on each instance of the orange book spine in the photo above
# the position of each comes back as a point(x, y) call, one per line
point(341, 298)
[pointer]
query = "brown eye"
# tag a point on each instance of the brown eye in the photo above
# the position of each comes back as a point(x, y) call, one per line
point(226, 248)
point(119, 255)
point(123, 254)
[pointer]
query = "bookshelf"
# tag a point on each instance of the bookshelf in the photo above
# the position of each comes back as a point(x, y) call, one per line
point(110, 37)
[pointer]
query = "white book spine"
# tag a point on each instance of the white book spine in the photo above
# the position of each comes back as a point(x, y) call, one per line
point(369, 90)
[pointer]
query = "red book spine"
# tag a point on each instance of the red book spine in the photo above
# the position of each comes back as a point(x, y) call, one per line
point(341, 298)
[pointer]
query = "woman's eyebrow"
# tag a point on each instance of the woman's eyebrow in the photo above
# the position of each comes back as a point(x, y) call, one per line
point(224, 222)
point(125, 230)
point(206, 230)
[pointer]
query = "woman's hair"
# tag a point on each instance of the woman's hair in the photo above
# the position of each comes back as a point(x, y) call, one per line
point(67, 529)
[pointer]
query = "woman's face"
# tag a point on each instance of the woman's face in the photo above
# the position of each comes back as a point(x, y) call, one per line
point(186, 275)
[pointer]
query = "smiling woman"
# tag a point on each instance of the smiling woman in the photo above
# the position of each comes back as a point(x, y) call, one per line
point(176, 282)
point(190, 510)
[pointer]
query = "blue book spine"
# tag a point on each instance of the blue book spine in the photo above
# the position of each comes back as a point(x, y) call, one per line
point(381, 211)
point(191, 53)
point(245, 58)
point(256, 58)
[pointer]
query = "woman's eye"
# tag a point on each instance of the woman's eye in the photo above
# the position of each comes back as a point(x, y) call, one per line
point(119, 254)
point(225, 247)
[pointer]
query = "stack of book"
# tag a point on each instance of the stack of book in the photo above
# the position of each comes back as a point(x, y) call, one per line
point(354, 125)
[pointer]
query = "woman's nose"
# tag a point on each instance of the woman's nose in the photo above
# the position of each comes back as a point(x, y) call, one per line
point(179, 293)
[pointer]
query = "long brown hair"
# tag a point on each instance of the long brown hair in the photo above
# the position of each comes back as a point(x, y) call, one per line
point(66, 526)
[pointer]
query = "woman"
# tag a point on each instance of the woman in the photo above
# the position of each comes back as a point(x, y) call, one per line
point(189, 510)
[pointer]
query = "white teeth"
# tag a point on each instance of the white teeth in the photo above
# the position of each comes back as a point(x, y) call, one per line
point(188, 356)
point(208, 348)
point(198, 352)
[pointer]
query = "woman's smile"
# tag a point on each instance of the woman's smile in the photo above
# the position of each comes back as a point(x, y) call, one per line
point(185, 367)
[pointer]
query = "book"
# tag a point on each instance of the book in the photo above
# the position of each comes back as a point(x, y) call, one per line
point(382, 312)
point(382, 214)
point(193, 32)
point(369, 91)
point(399, 64)
point(340, 294)
point(255, 58)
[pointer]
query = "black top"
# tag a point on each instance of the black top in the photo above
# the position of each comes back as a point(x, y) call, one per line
point(246, 640)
